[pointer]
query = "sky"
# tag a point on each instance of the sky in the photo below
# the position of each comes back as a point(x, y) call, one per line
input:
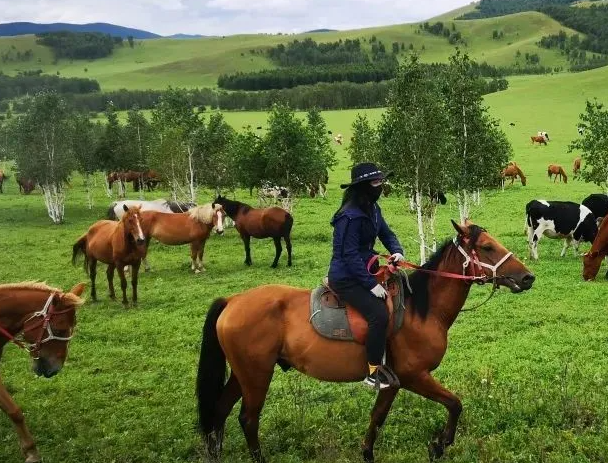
point(227, 17)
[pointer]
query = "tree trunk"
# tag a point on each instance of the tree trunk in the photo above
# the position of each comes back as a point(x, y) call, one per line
point(412, 203)
point(87, 185)
point(420, 227)
point(432, 215)
point(108, 190)
point(121, 189)
point(463, 205)
point(54, 199)
point(191, 175)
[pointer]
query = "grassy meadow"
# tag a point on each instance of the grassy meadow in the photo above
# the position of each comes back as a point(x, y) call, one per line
point(529, 368)
point(157, 63)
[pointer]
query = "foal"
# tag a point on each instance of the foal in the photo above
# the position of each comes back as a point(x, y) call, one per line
point(269, 222)
point(117, 244)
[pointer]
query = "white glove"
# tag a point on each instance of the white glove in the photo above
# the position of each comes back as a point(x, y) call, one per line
point(397, 257)
point(379, 291)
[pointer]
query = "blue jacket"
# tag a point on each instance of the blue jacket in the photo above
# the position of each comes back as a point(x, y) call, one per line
point(355, 234)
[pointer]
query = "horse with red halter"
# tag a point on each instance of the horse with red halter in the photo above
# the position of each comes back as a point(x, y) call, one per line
point(192, 227)
point(513, 171)
point(539, 139)
point(557, 170)
point(268, 222)
point(258, 328)
point(116, 244)
point(44, 318)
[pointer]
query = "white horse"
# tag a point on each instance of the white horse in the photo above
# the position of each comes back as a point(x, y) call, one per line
point(116, 210)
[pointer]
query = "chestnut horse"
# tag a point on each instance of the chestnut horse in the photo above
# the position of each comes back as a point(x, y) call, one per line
point(592, 260)
point(539, 139)
point(117, 244)
point(26, 185)
point(3, 178)
point(192, 227)
point(576, 168)
point(557, 170)
point(513, 171)
point(256, 329)
point(45, 319)
point(269, 222)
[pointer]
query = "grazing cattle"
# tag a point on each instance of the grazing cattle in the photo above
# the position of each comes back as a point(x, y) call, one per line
point(558, 171)
point(272, 194)
point(538, 139)
point(338, 138)
point(26, 185)
point(597, 204)
point(592, 260)
point(581, 130)
point(545, 135)
point(559, 220)
point(513, 171)
point(3, 178)
point(512, 124)
point(576, 168)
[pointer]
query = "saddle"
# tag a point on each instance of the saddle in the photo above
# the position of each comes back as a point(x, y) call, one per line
point(333, 319)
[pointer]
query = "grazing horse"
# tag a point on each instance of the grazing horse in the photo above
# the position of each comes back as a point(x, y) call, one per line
point(116, 244)
point(269, 222)
point(45, 319)
point(26, 185)
point(513, 171)
point(116, 210)
point(557, 170)
point(270, 324)
point(3, 178)
point(538, 139)
point(319, 188)
point(592, 260)
point(193, 227)
point(576, 168)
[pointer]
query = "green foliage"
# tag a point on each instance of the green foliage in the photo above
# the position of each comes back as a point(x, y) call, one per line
point(43, 140)
point(364, 142)
point(216, 163)
point(593, 145)
point(453, 36)
point(307, 75)
point(137, 135)
point(85, 136)
point(307, 52)
point(492, 8)
point(34, 82)
point(111, 152)
point(79, 45)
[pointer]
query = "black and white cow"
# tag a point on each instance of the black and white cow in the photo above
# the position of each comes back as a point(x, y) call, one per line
point(598, 205)
point(581, 130)
point(565, 220)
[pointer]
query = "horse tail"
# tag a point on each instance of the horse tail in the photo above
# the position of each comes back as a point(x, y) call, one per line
point(211, 369)
point(81, 247)
point(286, 229)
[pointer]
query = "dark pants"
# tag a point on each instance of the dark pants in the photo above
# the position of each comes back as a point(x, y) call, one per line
point(373, 310)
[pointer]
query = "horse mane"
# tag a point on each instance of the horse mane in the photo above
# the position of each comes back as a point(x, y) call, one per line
point(70, 298)
point(204, 213)
point(519, 171)
point(419, 281)
point(232, 207)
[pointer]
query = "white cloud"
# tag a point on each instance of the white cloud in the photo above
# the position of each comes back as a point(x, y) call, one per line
point(223, 17)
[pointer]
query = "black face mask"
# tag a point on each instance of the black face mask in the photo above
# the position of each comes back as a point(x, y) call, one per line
point(373, 192)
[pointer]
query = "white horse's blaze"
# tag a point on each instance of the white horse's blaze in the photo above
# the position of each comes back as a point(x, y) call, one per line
point(140, 233)
point(220, 222)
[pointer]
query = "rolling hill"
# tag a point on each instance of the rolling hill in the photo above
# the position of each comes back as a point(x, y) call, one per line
point(155, 64)
point(25, 28)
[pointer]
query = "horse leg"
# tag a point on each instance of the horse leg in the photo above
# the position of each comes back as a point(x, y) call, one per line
point(134, 275)
point(278, 250)
point(26, 441)
point(247, 243)
point(201, 251)
point(427, 386)
point(92, 276)
point(288, 246)
point(230, 396)
point(110, 276)
point(193, 258)
point(123, 283)
point(384, 401)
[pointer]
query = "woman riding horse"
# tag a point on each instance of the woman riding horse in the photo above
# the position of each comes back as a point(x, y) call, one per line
point(357, 224)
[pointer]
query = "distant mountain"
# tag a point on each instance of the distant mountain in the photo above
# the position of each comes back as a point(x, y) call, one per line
point(187, 36)
point(22, 28)
point(321, 30)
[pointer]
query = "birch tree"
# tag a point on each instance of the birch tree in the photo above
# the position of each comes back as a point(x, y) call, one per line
point(413, 140)
point(593, 144)
point(43, 149)
point(84, 135)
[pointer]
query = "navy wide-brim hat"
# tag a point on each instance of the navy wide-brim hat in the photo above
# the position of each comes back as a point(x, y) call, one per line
point(365, 172)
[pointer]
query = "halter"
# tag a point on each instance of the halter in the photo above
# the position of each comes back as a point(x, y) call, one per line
point(479, 264)
point(47, 314)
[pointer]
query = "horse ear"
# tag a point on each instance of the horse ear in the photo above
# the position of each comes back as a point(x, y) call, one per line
point(78, 289)
point(125, 208)
point(458, 228)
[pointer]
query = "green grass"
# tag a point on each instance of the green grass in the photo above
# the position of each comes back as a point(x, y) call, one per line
point(530, 368)
point(155, 64)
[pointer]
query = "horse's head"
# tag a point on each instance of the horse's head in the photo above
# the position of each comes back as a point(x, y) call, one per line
point(219, 214)
point(592, 262)
point(49, 331)
point(132, 223)
point(492, 258)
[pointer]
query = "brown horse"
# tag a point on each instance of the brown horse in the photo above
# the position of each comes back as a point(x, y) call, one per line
point(26, 185)
point(117, 244)
point(513, 171)
point(269, 222)
point(576, 168)
point(539, 140)
point(269, 324)
point(557, 170)
point(592, 260)
point(3, 178)
point(45, 318)
point(192, 227)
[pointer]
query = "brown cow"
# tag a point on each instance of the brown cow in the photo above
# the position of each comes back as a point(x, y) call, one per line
point(539, 140)
point(592, 260)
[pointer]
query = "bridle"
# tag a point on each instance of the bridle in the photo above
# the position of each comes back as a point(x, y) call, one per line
point(47, 313)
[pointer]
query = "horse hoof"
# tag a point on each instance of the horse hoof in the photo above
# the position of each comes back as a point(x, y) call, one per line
point(196, 270)
point(248, 263)
point(33, 459)
point(368, 456)
point(435, 450)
